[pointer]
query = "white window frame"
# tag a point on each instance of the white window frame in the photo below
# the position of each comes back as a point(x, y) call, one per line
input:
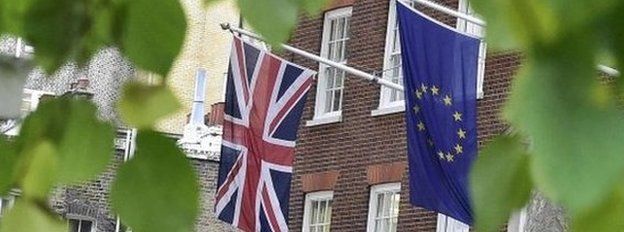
point(475, 30)
point(314, 196)
point(82, 218)
point(372, 206)
point(385, 105)
point(320, 116)
point(11, 202)
point(449, 224)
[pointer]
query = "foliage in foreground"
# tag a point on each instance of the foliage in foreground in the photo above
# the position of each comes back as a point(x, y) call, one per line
point(64, 143)
point(574, 127)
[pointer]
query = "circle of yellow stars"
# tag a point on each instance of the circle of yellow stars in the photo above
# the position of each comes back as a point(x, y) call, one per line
point(447, 100)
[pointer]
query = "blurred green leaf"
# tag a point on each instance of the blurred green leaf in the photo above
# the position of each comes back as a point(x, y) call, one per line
point(84, 142)
point(142, 105)
point(153, 33)
point(87, 144)
point(313, 7)
point(274, 19)
point(515, 24)
point(576, 134)
point(605, 217)
point(40, 170)
point(8, 160)
point(54, 46)
point(500, 181)
point(171, 202)
point(12, 16)
point(29, 217)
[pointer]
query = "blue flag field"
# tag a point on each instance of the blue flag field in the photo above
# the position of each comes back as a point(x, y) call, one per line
point(440, 76)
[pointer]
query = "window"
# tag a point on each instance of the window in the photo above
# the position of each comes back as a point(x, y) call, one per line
point(317, 211)
point(391, 100)
point(80, 224)
point(475, 30)
point(517, 221)
point(383, 209)
point(5, 204)
point(331, 80)
point(448, 224)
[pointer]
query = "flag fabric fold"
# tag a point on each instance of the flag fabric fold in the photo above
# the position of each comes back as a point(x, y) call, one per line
point(439, 66)
point(265, 97)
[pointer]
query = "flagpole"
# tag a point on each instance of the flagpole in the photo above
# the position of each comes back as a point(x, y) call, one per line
point(450, 11)
point(356, 72)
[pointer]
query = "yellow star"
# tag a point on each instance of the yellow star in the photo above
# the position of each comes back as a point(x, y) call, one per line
point(434, 90)
point(419, 94)
point(421, 126)
point(449, 157)
point(416, 109)
point(457, 116)
point(423, 87)
point(458, 149)
point(441, 154)
point(461, 133)
point(447, 100)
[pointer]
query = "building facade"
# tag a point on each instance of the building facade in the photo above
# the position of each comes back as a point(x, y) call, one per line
point(350, 171)
point(206, 47)
point(86, 207)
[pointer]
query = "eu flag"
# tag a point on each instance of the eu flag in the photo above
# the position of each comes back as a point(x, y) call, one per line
point(440, 77)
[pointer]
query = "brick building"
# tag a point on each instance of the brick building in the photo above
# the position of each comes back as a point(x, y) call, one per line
point(350, 172)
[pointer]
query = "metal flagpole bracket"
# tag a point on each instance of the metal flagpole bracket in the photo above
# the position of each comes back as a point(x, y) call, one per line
point(317, 58)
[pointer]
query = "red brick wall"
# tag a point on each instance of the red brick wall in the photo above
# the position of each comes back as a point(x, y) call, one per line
point(361, 140)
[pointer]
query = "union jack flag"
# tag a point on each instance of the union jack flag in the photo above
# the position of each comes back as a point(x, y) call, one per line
point(264, 100)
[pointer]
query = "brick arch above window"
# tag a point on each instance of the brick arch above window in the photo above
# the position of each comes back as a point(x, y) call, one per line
point(321, 181)
point(335, 4)
point(385, 173)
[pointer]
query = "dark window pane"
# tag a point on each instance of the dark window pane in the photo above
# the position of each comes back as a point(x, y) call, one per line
point(73, 225)
point(86, 226)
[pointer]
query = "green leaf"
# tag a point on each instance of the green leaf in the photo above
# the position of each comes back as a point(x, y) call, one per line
point(153, 33)
point(514, 24)
point(29, 217)
point(87, 144)
point(157, 189)
point(84, 142)
point(8, 160)
point(313, 7)
point(605, 217)
point(54, 47)
point(274, 19)
point(142, 105)
point(12, 16)
point(576, 132)
point(500, 181)
point(40, 170)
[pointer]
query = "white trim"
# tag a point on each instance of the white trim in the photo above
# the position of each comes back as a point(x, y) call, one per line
point(372, 203)
point(389, 109)
point(477, 30)
point(324, 120)
point(385, 92)
point(321, 85)
point(11, 201)
point(517, 221)
point(314, 196)
point(80, 219)
point(449, 224)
